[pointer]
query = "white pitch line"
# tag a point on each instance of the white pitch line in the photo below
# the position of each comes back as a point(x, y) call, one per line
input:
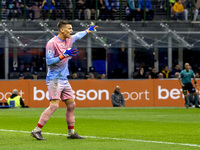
point(108, 138)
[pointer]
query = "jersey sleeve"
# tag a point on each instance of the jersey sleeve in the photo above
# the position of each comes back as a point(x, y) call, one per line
point(50, 50)
point(78, 36)
point(181, 74)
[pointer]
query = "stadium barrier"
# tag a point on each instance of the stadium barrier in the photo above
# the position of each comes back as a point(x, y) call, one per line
point(97, 93)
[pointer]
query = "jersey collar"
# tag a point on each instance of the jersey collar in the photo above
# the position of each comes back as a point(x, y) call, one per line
point(59, 38)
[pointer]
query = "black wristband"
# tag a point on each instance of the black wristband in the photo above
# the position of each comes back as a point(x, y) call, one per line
point(195, 82)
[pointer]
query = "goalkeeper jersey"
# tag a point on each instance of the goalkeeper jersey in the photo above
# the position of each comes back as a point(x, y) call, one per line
point(56, 47)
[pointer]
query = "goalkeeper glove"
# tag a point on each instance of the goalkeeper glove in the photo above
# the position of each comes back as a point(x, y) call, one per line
point(91, 29)
point(69, 52)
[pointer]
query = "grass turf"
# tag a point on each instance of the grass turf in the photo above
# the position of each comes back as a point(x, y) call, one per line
point(122, 127)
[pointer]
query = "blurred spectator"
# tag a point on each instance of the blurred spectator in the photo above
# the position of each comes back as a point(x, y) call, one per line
point(21, 76)
point(141, 74)
point(45, 9)
point(5, 11)
point(102, 9)
point(176, 69)
point(197, 75)
point(29, 9)
point(178, 10)
point(162, 4)
point(148, 9)
point(74, 76)
point(80, 7)
point(171, 4)
point(117, 98)
point(91, 76)
point(160, 76)
point(166, 72)
point(153, 74)
point(188, 4)
point(13, 6)
point(18, 102)
point(112, 7)
point(90, 10)
point(67, 6)
point(177, 74)
point(134, 7)
point(34, 75)
point(103, 76)
point(59, 10)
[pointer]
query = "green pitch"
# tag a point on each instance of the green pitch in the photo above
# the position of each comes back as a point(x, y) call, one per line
point(104, 128)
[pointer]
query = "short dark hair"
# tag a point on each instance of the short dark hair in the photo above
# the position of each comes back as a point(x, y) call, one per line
point(62, 23)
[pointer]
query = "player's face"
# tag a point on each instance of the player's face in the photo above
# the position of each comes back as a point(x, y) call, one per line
point(67, 31)
point(187, 66)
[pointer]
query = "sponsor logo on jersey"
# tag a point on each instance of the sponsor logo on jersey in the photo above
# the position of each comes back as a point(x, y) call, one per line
point(49, 52)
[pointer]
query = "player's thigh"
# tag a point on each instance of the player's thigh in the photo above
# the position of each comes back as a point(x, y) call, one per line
point(67, 93)
point(54, 89)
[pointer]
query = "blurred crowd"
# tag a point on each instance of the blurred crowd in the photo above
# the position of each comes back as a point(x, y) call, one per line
point(132, 10)
point(165, 73)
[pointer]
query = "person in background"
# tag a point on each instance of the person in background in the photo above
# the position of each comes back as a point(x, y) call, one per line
point(45, 9)
point(188, 4)
point(13, 6)
point(91, 76)
point(90, 10)
point(74, 76)
point(176, 69)
point(67, 6)
point(153, 74)
point(177, 74)
point(103, 76)
point(80, 6)
point(102, 9)
point(112, 7)
point(21, 76)
point(148, 9)
point(29, 9)
point(160, 76)
point(197, 75)
point(34, 75)
point(5, 11)
point(141, 74)
point(166, 72)
point(17, 99)
point(134, 7)
point(178, 10)
point(117, 98)
point(185, 82)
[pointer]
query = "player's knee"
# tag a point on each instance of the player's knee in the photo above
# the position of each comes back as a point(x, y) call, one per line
point(71, 106)
point(54, 107)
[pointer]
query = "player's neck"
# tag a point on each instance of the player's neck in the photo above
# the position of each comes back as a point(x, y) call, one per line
point(187, 70)
point(60, 36)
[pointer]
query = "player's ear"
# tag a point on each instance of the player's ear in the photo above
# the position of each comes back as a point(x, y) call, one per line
point(61, 30)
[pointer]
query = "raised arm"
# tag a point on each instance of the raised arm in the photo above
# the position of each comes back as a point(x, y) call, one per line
point(80, 35)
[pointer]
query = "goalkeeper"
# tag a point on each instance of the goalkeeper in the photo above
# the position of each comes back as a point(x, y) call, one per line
point(185, 81)
point(58, 53)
